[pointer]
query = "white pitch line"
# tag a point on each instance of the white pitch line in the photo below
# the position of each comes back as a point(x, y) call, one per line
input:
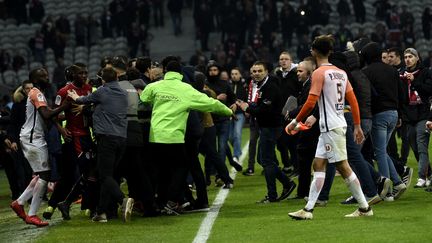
point(207, 223)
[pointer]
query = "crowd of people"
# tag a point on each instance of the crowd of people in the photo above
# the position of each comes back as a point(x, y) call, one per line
point(145, 124)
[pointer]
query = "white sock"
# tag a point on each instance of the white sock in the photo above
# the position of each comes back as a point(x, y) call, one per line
point(38, 193)
point(28, 192)
point(354, 186)
point(315, 189)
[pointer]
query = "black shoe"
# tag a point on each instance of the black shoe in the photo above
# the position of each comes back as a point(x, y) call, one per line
point(407, 176)
point(288, 170)
point(172, 208)
point(48, 212)
point(101, 218)
point(266, 200)
point(197, 208)
point(63, 207)
point(237, 166)
point(350, 200)
point(208, 180)
point(228, 186)
point(219, 182)
point(287, 190)
point(293, 174)
point(248, 172)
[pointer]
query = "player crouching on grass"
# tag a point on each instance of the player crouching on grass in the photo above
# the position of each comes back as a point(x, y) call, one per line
point(330, 87)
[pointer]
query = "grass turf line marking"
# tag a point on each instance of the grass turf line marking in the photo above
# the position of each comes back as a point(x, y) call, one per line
point(207, 223)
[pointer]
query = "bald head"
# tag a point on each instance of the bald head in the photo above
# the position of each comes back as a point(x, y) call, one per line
point(304, 70)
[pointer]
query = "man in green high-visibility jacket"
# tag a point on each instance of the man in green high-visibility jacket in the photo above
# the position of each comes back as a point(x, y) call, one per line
point(172, 100)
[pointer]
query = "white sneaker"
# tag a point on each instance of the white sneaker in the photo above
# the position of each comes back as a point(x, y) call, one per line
point(301, 215)
point(388, 198)
point(428, 182)
point(420, 183)
point(360, 212)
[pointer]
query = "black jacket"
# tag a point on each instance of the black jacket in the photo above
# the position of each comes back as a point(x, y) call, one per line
point(361, 85)
point(289, 85)
point(268, 108)
point(422, 84)
point(239, 90)
point(386, 86)
point(308, 138)
point(220, 87)
point(18, 116)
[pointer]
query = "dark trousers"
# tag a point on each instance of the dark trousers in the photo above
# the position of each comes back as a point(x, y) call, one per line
point(306, 147)
point(392, 150)
point(18, 171)
point(288, 144)
point(253, 140)
point(194, 167)
point(75, 170)
point(11, 175)
point(149, 167)
point(212, 159)
point(110, 150)
point(305, 159)
point(171, 171)
point(268, 160)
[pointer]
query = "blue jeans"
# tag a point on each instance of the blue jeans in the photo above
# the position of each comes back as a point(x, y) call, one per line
point(236, 134)
point(419, 141)
point(268, 160)
point(356, 160)
point(383, 124)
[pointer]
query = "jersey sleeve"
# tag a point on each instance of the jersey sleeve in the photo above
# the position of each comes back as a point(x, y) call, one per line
point(348, 87)
point(317, 82)
point(61, 96)
point(37, 98)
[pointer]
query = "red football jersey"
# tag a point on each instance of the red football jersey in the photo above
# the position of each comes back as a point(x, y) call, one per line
point(75, 123)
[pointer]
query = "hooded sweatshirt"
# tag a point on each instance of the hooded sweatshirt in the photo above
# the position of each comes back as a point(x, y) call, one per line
point(360, 83)
point(386, 85)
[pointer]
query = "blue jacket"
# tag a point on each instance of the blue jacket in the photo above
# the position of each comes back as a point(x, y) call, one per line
point(111, 102)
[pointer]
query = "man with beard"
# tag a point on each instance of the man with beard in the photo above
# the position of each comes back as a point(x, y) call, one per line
point(35, 147)
point(266, 105)
point(225, 95)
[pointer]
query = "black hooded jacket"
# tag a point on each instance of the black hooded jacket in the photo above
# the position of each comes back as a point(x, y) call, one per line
point(422, 84)
point(386, 86)
point(360, 83)
point(220, 87)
